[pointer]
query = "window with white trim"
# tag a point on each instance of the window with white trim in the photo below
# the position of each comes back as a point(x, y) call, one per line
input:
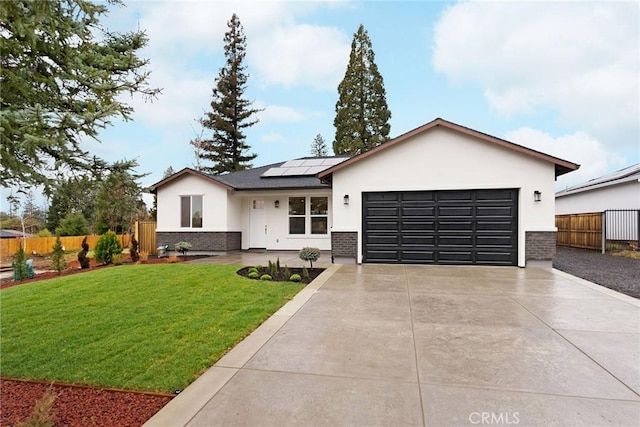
point(297, 215)
point(317, 216)
point(191, 211)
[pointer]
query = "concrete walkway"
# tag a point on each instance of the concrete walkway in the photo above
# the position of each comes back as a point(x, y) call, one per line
point(429, 345)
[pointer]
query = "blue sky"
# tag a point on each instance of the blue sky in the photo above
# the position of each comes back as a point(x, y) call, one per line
point(558, 77)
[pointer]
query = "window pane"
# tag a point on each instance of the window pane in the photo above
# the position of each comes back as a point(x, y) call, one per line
point(319, 205)
point(185, 211)
point(296, 225)
point(319, 225)
point(196, 208)
point(296, 206)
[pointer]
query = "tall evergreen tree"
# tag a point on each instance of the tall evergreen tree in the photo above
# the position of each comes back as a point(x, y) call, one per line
point(62, 78)
point(230, 111)
point(362, 114)
point(319, 147)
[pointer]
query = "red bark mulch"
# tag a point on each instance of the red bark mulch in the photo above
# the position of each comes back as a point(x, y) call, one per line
point(79, 406)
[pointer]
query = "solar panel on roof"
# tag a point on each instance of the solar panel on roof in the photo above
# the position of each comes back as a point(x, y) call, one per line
point(292, 163)
point(303, 167)
point(274, 172)
point(296, 171)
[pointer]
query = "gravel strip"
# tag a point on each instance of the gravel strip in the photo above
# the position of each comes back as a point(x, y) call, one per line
point(614, 272)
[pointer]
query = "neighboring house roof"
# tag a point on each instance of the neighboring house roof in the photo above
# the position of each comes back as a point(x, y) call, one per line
point(628, 174)
point(561, 166)
point(255, 179)
point(13, 234)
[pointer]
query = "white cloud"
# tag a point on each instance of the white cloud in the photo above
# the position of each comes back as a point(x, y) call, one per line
point(581, 59)
point(301, 55)
point(271, 137)
point(277, 113)
point(594, 159)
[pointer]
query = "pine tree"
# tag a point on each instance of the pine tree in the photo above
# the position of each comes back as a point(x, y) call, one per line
point(362, 114)
point(231, 112)
point(63, 77)
point(58, 261)
point(319, 147)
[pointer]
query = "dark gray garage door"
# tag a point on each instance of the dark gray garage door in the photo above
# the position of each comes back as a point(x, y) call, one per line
point(441, 227)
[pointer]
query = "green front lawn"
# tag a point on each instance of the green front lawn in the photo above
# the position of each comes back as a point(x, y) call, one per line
point(147, 327)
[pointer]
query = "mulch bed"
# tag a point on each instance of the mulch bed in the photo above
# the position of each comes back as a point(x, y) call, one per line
point(281, 277)
point(78, 405)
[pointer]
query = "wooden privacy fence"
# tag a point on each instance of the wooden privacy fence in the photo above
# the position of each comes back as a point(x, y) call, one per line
point(44, 245)
point(580, 230)
point(145, 232)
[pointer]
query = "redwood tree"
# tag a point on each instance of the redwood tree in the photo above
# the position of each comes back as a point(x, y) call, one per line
point(362, 114)
point(231, 112)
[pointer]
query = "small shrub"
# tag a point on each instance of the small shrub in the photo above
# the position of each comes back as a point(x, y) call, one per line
point(173, 258)
point(252, 270)
point(259, 267)
point(133, 251)
point(287, 273)
point(57, 260)
point(108, 245)
point(82, 255)
point(182, 247)
point(144, 256)
point(305, 272)
point(273, 270)
point(266, 277)
point(43, 414)
point(309, 254)
point(20, 266)
point(253, 275)
point(295, 278)
point(278, 263)
point(117, 259)
point(44, 233)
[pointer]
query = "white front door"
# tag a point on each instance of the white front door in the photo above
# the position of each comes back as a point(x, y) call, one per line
point(258, 221)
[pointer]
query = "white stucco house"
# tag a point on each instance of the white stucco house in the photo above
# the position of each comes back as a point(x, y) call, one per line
point(441, 193)
point(617, 190)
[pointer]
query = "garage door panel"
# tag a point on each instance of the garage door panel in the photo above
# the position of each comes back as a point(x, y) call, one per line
point(482, 225)
point(455, 240)
point(420, 257)
point(387, 211)
point(442, 227)
point(502, 258)
point(417, 196)
point(501, 241)
point(494, 211)
point(416, 225)
point(417, 240)
point(455, 257)
point(462, 225)
point(418, 211)
point(383, 256)
point(456, 211)
point(454, 196)
point(379, 224)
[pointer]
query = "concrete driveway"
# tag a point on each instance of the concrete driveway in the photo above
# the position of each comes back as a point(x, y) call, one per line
point(429, 345)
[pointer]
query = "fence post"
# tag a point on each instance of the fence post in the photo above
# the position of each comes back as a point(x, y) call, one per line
point(638, 229)
point(604, 232)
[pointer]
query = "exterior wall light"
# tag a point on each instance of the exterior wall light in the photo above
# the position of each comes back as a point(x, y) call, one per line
point(276, 204)
point(346, 200)
point(537, 196)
